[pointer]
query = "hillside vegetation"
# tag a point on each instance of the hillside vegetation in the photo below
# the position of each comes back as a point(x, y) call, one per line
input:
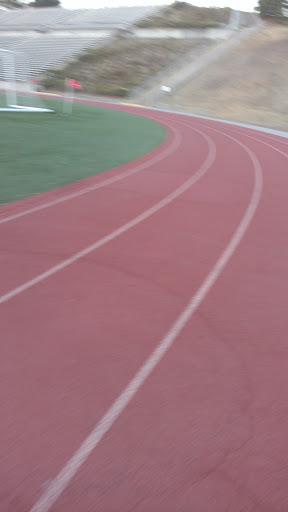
point(117, 68)
point(248, 84)
point(182, 14)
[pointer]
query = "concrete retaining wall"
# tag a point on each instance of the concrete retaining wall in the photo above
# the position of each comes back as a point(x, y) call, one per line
point(182, 33)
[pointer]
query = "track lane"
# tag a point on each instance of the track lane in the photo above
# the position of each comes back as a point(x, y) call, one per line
point(226, 448)
point(57, 486)
point(22, 318)
point(260, 469)
point(49, 354)
point(33, 243)
point(234, 377)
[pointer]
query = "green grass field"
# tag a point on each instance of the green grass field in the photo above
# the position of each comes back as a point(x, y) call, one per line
point(39, 152)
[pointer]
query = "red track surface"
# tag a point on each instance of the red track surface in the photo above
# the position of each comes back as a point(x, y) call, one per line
point(207, 429)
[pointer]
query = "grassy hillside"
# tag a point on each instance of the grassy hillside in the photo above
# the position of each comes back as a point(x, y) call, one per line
point(249, 84)
point(182, 14)
point(117, 68)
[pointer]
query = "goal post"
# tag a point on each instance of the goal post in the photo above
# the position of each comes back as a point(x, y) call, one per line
point(17, 93)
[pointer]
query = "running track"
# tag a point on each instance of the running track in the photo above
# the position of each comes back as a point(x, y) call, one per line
point(144, 332)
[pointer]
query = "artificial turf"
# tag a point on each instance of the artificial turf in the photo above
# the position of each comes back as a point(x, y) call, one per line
point(40, 151)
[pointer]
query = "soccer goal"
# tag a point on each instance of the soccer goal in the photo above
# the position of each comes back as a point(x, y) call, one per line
point(17, 93)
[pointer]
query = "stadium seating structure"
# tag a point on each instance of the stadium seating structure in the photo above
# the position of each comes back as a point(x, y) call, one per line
point(51, 36)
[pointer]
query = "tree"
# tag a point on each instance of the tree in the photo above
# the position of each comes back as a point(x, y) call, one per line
point(272, 8)
point(45, 3)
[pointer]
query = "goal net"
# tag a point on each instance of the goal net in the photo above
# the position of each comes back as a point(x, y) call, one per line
point(17, 90)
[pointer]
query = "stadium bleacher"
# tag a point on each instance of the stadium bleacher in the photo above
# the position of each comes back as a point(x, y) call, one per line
point(49, 37)
point(58, 18)
point(47, 50)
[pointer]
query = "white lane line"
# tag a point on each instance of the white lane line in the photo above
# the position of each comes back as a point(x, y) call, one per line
point(62, 480)
point(275, 138)
point(253, 138)
point(157, 158)
point(119, 231)
point(229, 127)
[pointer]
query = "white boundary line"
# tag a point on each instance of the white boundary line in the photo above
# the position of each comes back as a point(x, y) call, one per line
point(157, 158)
point(62, 480)
point(252, 138)
point(276, 138)
point(125, 227)
point(259, 140)
point(216, 120)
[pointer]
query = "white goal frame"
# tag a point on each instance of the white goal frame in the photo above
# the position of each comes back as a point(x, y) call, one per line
point(8, 58)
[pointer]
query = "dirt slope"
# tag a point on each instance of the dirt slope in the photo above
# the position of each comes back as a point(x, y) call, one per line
point(118, 67)
point(182, 14)
point(249, 84)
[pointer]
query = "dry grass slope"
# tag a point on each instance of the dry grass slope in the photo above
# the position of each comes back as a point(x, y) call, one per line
point(248, 85)
point(182, 14)
point(117, 68)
